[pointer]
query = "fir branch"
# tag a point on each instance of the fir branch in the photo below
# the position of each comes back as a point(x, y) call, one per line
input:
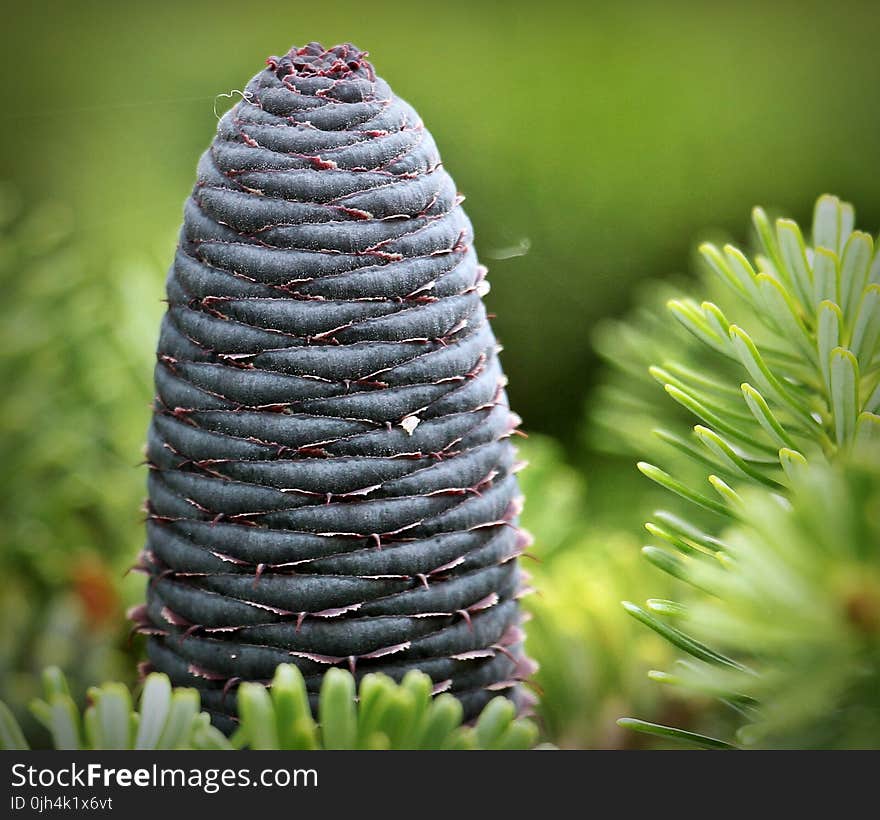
point(784, 621)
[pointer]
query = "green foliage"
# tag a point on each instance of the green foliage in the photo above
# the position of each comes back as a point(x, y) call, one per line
point(784, 369)
point(778, 547)
point(795, 598)
point(384, 715)
point(77, 368)
point(168, 718)
point(592, 659)
point(73, 348)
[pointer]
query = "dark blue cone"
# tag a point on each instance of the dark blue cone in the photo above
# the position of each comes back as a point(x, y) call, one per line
point(331, 476)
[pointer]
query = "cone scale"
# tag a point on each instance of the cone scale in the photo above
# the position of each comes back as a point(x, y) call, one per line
point(331, 474)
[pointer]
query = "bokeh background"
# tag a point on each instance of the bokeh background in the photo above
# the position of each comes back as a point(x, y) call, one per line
point(596, 143)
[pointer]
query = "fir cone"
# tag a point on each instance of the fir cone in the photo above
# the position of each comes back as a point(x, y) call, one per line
point(331, 474)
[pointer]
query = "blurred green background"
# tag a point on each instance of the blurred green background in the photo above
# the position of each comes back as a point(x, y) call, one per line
point(595, 142)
